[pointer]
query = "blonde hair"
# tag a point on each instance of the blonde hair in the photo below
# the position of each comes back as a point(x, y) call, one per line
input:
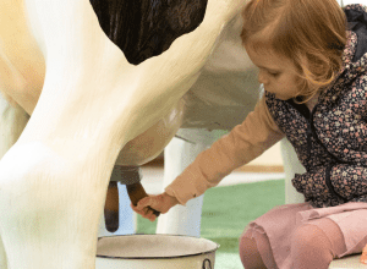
point(311, 33)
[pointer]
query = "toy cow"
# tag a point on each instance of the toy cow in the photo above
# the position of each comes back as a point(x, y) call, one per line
point(85, 102)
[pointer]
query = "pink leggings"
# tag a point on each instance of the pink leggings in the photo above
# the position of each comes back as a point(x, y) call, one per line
point(312, 246)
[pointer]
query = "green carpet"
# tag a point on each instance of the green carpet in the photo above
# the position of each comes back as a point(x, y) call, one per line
point(227, 211)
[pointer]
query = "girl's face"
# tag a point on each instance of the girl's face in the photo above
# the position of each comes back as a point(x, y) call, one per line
point(278, 74)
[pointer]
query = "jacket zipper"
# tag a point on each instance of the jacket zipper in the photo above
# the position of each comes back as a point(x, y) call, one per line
point(305, 112)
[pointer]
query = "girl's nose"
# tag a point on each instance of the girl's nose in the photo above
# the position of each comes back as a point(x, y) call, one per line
point(262, 77)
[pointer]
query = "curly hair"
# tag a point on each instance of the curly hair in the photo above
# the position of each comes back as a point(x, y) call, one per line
point(311, 33)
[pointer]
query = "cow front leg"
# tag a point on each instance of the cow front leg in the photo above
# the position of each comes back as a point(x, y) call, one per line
point(12, 122)
point(3, 263)
point(49, 217)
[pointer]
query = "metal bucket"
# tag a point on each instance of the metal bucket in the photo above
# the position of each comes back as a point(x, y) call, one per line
point(155, 252)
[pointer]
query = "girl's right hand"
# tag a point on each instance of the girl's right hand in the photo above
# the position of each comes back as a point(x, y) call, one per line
point(162, 203)
point(364, 255)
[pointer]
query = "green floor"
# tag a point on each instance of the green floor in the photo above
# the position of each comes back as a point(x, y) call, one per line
point(226, 212)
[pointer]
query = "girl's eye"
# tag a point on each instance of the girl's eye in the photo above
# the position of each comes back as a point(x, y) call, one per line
point(274, 74)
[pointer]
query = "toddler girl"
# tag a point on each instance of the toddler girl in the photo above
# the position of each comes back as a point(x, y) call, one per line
point(312, 59)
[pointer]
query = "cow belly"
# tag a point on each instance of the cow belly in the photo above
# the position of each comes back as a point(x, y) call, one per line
point(148, 145)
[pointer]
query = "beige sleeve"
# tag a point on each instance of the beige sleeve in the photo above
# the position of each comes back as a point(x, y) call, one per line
point(244, 143)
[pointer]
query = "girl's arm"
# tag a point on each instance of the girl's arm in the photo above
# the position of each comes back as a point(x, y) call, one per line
point(244, 143)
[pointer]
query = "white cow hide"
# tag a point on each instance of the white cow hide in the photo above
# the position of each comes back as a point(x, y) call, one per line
point(86, 103)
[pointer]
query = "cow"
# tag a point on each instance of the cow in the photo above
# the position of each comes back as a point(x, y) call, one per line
point(82, 102)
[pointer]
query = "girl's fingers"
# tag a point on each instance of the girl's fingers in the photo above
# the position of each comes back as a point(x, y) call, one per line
point(364, 255)
point(364, 258)
point(135, 209)
point(145, 202)
point(151, 216)
point(144, 212)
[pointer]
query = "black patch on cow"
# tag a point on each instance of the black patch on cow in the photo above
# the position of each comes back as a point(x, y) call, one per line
point(146, 28)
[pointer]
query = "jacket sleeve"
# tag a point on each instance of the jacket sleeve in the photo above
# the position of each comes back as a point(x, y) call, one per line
point(349, 181)
point(244, 143)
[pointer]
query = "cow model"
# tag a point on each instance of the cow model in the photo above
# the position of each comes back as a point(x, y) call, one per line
point(86, 101)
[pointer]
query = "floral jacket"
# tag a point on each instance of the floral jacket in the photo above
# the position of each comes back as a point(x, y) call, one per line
point(331, 140)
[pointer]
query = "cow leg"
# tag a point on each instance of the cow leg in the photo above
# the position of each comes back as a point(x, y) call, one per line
point(3, 263)
point(12, 122)
point(13, 119)
point(53, 181)
point(48, 217)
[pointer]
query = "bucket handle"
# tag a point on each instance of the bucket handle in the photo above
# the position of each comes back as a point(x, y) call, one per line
point(207, 264)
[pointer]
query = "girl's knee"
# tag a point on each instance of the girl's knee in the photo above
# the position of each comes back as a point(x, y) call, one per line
point(246, 245)
point(249, 253)
point(310, 247)
point(244, 242)
point(309, 236)
point(305, 236)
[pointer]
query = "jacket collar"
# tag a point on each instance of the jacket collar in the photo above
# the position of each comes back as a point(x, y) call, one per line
point(357, 22)
point(354, 55)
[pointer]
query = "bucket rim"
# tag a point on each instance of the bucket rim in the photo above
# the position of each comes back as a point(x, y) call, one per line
point(153, 257)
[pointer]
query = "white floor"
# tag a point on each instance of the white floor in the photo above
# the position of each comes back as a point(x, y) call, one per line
point(153, 178)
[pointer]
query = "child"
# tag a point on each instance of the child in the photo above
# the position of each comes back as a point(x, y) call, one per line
point(312, 59)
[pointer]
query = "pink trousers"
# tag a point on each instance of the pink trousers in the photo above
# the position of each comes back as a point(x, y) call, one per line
point(299, 234)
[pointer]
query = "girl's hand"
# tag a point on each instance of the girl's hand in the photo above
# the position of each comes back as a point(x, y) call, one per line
point(364, 255)
point(162, 203)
